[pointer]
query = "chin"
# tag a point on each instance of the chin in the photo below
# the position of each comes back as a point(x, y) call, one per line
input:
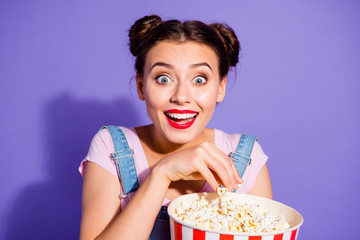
point(179, 140)
point(181, 136)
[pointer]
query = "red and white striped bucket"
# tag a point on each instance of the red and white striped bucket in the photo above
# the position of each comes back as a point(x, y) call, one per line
point(184, 231)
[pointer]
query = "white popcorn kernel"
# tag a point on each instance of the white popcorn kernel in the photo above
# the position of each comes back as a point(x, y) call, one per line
point(221, 191)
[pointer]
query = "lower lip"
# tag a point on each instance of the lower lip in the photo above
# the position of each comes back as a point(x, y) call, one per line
point(181, 126)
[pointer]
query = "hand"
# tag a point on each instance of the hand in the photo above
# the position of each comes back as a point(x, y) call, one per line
point(202, 161)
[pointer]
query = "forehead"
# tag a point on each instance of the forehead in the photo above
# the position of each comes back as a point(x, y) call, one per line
point(181, 54)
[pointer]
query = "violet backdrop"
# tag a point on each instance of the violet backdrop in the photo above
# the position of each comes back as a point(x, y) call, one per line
point(65, 70)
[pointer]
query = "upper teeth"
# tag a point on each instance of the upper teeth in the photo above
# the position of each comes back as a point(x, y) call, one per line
point(181, 115)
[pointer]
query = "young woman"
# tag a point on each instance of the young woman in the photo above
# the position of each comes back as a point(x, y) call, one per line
point(181, 70)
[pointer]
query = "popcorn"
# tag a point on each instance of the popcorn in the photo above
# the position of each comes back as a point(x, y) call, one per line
point(221, 191)
point(228, 215)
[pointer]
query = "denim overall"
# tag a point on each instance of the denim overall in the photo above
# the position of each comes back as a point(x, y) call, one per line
point(123, 158)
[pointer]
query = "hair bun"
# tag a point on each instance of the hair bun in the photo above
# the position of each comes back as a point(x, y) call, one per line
point(230, 41)
point(140, 29)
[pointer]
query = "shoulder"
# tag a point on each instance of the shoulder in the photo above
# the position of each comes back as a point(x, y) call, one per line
point(229, 141)
point(104, 134)
point(232, 139)
point(107, 135)
point(225, 141)
point(101, 141)
point(101, 147)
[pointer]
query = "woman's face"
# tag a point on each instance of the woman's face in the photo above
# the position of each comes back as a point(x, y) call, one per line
point(181, 86)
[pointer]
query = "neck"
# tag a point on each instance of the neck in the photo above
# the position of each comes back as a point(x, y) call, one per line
point(155, 141)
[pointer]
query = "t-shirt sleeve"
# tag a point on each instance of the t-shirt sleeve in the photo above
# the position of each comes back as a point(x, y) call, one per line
point(258, 160)
point(99, 152)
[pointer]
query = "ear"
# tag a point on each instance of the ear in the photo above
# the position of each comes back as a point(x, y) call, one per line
point(140, 87)
point(222, 90)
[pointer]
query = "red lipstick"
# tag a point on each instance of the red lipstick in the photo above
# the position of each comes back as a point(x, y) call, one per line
point(179, 111)
point(180, 122)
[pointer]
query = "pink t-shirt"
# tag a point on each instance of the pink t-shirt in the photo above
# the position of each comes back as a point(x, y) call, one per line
point(101, 147)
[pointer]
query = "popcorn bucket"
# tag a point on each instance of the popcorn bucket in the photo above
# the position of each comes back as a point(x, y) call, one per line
point(184, 231)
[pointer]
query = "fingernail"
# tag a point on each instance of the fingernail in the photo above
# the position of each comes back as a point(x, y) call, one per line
point(235, 186)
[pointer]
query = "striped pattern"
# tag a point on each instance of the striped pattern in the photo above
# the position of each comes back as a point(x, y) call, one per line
point(180, 232)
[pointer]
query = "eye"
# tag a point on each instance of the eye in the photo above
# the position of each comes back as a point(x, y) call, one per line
point(200, 80)
point(163, 79)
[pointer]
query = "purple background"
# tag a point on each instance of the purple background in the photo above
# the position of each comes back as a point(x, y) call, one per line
point(65, 70)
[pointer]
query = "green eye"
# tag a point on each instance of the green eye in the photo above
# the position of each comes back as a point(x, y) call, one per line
point(199, 80)
point(163, 79)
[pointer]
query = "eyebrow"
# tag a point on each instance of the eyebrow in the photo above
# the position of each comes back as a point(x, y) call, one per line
point(200, 64)
point(162, 64)
point(195, 65)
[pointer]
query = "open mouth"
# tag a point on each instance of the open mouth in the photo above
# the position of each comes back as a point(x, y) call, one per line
point(181, 119)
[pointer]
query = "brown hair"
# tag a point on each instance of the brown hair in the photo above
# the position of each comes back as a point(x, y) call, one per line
point(149, 30)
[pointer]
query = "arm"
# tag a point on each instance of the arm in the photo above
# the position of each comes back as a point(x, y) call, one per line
point(100, 200)
point(101, 206)
point(262, 185)
point(101, 216)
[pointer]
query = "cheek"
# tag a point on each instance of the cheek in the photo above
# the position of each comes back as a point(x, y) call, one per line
point(155, 97)
point(207, 99)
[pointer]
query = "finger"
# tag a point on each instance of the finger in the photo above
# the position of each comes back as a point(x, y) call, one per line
point(225, 168)
point(209, 176)
point(198, 176)
point(194, 176)
point(218, 179)
point(221, 164)
point(236, 173)
point(238, 178)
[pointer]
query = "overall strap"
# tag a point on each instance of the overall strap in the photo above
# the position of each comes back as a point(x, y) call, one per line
point(124, 160)
point(241, 157)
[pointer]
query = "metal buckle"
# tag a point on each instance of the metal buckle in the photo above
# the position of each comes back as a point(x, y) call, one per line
point(115, 156)
point(124, 196)
point(233, 156)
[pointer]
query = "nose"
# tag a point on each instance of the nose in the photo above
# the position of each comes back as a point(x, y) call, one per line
point(182, 94)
